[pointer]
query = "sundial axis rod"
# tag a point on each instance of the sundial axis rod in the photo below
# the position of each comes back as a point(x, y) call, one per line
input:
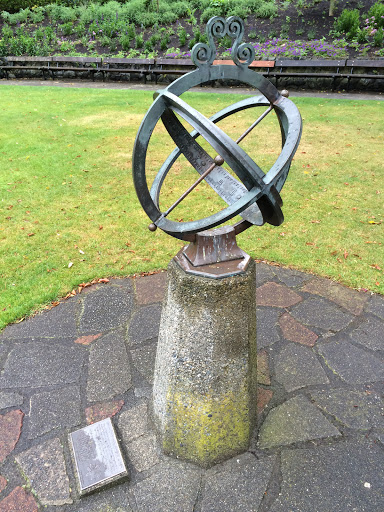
point(254, 124)
point(218, 160)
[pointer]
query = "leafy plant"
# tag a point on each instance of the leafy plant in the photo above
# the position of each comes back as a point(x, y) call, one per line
point(361, 36)
point(37, 14)
point(139, 41)
point(6, 32)
point(191, 16)
point(164, 43)
point(377, 11)
point(182, 36)
point(80, 29)
point(208, 13)
point(67, 28)
point(348, 22)
point(148, 46)
point(50, 34)
point(226, 42)
point(284, 31)
point(266, 10)
point(378, 38)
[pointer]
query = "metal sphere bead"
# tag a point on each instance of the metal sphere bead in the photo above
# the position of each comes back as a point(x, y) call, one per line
point(285, 93)
point(152, 227)
point(219, 160)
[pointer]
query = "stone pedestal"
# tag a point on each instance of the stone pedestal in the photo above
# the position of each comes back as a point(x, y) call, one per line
point(204, 394)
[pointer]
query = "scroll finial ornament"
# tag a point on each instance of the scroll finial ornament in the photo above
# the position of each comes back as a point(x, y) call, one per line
point(217, 27)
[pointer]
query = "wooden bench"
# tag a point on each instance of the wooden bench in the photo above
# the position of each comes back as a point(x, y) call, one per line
point(261, 66)
point(16, 63)
point(183, 66)
point(358, 69)
point(314, 69)
point(142, 67)
point(172, 67)
point(90, 65)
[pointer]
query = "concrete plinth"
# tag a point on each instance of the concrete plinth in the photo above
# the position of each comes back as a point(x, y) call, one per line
point(204, 395)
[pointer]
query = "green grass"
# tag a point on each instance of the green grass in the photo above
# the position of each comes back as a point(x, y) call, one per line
point(66, 187)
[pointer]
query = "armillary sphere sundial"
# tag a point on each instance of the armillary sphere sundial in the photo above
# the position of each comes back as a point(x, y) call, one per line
point(254, 194)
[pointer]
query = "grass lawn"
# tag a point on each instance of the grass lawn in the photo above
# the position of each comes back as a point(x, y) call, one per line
point(69, 212)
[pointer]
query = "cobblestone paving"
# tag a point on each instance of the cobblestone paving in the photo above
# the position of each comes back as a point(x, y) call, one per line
point(319, 446)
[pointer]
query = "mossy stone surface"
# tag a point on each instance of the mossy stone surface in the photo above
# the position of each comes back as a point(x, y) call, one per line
point(205, 376)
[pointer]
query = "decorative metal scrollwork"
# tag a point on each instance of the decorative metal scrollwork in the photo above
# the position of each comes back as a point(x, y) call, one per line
point(242, 54)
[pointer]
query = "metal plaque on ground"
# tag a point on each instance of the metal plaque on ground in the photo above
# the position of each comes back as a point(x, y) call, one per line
point(97, 456)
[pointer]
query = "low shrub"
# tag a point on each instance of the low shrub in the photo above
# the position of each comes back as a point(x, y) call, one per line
point(266, 10)
point(13, 6)
point(377, 11)
point(348, 22)
point(378, 38)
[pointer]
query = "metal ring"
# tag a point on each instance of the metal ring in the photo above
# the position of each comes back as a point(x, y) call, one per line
point(258, 185)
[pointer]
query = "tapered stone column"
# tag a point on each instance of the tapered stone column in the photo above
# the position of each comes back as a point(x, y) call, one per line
point(204, 397)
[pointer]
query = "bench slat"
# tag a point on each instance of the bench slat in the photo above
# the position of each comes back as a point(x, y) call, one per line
point(286, 63)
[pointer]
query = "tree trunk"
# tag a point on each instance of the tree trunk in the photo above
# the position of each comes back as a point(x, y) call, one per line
point(332, 5)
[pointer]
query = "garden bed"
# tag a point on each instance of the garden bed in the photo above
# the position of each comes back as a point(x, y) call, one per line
point(141, 28)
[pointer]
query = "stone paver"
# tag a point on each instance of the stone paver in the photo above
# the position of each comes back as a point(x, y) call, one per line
point(150, 289)
point(3, 483)
point(10, 430)
point(171, 488)
point(349, 299)
point(318, 312)
point(343, 477)
point(266, 326)
point(145, 324)
point(10, 399)
point(38, 364)
point(294, 331)
point(291, 278)
point(143, 452)
point(298, 367)
point(48, 479)
point(109, 369)
point(237, 485)
point(376, 306)
point(294, 421)
point(263, 376)
point(87, 340)
point(320, 373)
point(144, 361)
point(134, 423)
point(358, 410)
point(58, 322)
point(264, 396)
point(102, 410)
point(114, 499)
point(18, 500)
point(55, 409)
point(106, 309)
point(264, 273)
point(276, 295)
point(350, 363)
point(370, 334)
